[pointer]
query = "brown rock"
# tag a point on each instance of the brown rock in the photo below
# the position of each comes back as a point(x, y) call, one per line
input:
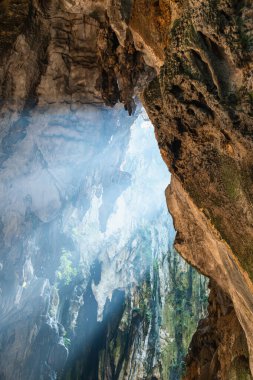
point(200, 102)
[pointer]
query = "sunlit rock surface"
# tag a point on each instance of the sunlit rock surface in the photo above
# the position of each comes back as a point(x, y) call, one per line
point(90, 285)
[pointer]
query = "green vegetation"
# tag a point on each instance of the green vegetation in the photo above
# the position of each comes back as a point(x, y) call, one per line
point(145, 296)
point(66, 271)
point(67, 342)
point(245, 39)
point(250, 95)
point(185, 306)
point(240, 370)
point(230, 178)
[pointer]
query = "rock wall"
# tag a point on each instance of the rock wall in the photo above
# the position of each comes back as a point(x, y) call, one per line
point(202, 109)
point(197, 58)
point(51, 175)
point(219, 348)
point(84, 263)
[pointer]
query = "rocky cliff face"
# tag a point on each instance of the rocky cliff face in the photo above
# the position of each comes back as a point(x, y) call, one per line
point(193, 62)
point(201, 106)
point(49, 173)
point(87, 285)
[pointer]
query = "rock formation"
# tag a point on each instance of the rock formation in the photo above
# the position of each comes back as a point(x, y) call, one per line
point(86, 293)
point(191, 63)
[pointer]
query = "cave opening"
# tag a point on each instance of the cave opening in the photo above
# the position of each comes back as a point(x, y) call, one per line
point(91, 283)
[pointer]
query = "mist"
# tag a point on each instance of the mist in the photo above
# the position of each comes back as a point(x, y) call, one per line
point(86, 237)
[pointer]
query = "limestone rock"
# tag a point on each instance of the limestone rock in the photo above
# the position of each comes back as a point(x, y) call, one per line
point(199, 55)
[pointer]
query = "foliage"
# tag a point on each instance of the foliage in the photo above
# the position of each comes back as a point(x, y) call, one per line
point(67, 342)
point(185, 305)
point(148, 315)
point(230, 178)
point(66, 271)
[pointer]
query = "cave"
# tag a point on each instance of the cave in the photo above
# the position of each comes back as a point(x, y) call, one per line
point(89, 251)
point(112, 113)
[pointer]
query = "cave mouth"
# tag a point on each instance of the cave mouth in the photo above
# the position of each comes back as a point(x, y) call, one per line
point(91, 284)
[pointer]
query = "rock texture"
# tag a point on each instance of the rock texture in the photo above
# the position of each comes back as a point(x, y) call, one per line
point(193, 61)
point(201, 107)
point(219, 348)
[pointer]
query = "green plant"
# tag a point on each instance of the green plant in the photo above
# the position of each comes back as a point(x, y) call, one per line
point(148, 316)
point(67, 342)
point(156, 265)
point(185, 304)
point(66, 271)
